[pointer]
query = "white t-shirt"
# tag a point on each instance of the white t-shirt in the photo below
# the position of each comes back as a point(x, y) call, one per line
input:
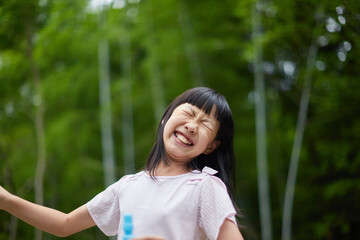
point(188, 206)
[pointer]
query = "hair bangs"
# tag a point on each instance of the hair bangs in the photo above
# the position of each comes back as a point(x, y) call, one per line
point(206, 99)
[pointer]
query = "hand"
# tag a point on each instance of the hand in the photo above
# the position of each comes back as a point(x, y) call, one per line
point(149, 238)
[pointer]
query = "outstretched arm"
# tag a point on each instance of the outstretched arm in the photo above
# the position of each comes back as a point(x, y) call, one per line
point(46, 219)
point(229, 231)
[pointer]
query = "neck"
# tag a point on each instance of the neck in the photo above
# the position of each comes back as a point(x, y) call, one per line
point(171, 170)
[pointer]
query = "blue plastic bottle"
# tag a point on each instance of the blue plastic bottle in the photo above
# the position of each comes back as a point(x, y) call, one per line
point(128, 227)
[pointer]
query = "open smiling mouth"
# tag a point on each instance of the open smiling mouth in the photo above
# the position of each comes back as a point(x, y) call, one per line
point(183, 139)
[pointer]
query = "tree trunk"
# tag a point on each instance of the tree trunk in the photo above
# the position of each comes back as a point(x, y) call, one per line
point(105, 114)
point(127, 104)
point(260, 116)
point(299, 133)
point(105, 107)
point(156, 86)
point(38, 121)
point(190, 44)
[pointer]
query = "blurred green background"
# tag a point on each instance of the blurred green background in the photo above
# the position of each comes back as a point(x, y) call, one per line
point(79, 75)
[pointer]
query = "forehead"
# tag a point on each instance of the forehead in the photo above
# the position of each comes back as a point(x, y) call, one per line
point(197, 110)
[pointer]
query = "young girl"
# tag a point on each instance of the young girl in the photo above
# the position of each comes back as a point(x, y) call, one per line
point(185, 191)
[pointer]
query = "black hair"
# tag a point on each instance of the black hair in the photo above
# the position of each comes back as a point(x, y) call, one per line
point(222, 158)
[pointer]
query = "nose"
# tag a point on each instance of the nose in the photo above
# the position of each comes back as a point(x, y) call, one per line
point(191, 127)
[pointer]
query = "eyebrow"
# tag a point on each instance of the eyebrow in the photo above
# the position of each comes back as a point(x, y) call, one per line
point(192, 110)
point(205, 119)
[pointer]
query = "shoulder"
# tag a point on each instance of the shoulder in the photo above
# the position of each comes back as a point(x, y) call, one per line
point(128, 179)
point(206, 179)
point(211, 188)
point(123, 182)
point(131, 177)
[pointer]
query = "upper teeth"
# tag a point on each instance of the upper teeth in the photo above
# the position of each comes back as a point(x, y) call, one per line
point(182, 139)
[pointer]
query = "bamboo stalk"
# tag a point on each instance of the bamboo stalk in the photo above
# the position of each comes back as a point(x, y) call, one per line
point(156, 86)
point(260, 115)
point(190, 45)
point(107, 144)
point(299, 133)
point(127, 103)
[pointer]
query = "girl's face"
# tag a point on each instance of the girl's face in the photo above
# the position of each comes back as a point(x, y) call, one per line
point(190, 132)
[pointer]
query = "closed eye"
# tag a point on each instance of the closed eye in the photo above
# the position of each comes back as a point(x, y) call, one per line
point(207, 124)
point(187, 113)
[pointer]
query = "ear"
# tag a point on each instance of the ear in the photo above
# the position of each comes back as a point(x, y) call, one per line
point(212, 146)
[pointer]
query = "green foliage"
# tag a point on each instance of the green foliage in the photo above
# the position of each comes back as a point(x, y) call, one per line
point(162, 36)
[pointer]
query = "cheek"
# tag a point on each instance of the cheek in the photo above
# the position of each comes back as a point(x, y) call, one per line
point(168, 129)
point(205, 139)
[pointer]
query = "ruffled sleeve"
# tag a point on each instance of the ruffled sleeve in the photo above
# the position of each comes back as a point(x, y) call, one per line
point(215, 204)
point(105, 210)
